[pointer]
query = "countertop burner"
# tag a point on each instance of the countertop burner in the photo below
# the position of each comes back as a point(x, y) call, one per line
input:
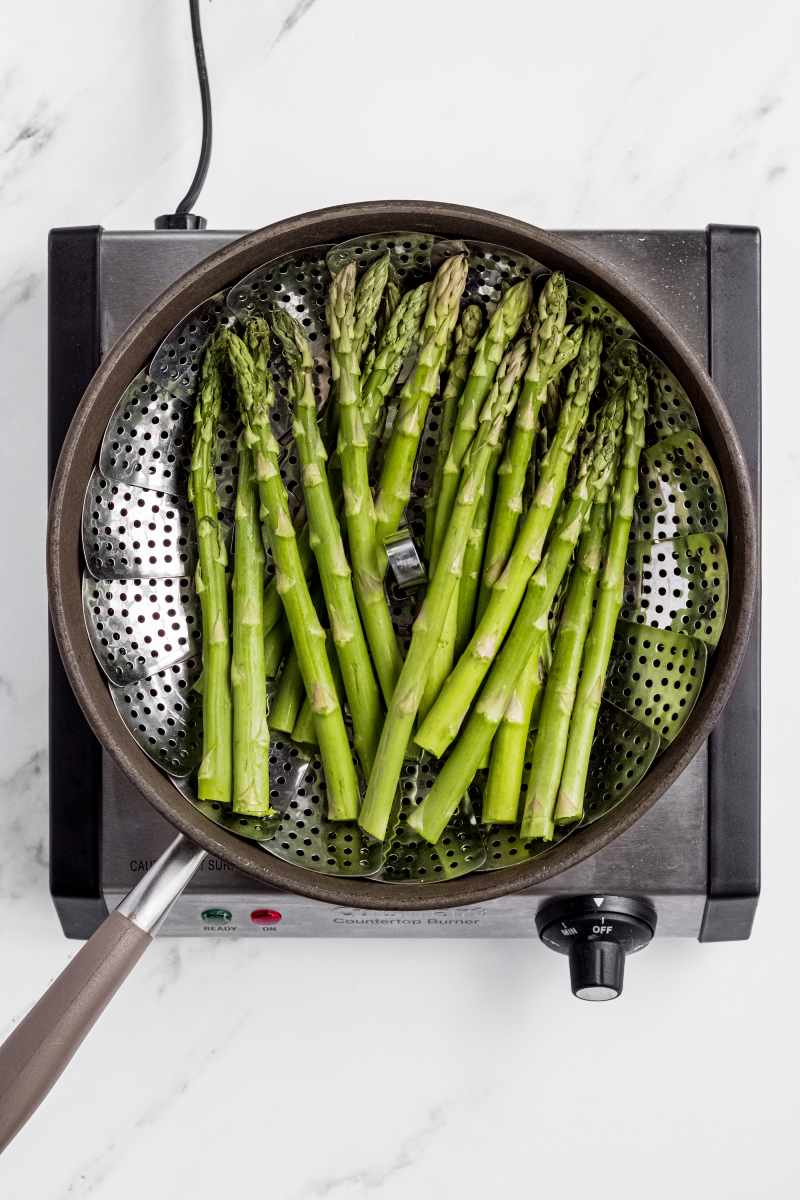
point(694, 857)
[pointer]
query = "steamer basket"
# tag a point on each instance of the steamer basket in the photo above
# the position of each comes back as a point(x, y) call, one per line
point(131, 522)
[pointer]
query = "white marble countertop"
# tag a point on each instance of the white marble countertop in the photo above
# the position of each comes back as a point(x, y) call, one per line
point(348, 1070)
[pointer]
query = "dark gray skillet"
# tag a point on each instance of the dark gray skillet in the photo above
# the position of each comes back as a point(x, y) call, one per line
point(36, 1053)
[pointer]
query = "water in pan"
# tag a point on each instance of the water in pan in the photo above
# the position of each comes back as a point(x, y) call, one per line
point(146, 447)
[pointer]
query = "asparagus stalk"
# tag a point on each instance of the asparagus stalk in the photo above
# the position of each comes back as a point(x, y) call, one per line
point(214, 778)
point(502, 329)
point(465, 340)
point(431, 817)
point(273, 607)
point(445, 717)
point(275, 642)
point(559, 694)
point(441, 663)
point(303, 731)
point(500, 805)
point(509, 376)
point(392, 295)
point(397, 339)
point(405, 702)
point(609, 602)
point(361, 689)
point(288, 699)
point(510, 746)
point(250, 365)
point(354, 462)
point(394, 487)
point(552, 348)
point(369, 294)
point(389, 301)
point(248, 673)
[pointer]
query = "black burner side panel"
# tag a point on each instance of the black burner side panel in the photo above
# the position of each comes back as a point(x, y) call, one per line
point(75, 756)
point(734, 760)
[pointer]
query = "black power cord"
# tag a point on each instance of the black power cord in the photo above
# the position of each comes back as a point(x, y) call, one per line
point(183, 217)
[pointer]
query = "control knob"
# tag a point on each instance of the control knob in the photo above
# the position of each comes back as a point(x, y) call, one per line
point(596, 932)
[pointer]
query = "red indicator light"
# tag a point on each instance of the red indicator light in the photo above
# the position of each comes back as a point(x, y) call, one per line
point(265, 916)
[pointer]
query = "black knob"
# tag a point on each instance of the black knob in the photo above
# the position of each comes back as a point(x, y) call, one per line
point(596, 932)
point(596, 969)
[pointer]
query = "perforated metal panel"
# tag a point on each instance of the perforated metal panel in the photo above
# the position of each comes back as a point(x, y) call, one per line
point(680, 584)
point(409, 858)
point(505, 847)
point(670, 410)
point(148, 442)
point(176, 363)
point(164, 714)
point(305, 836)
point(411, 254)
point(586, 305)
point(622, 751)
point(140, 626)
point(255, 829)
point(680, 491)
point(130, 531)
point(656, 676)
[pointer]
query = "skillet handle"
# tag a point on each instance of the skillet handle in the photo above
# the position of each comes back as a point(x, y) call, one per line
point(34, 1055)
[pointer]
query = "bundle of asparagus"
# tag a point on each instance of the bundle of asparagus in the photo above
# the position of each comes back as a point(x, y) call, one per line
point(514, 632)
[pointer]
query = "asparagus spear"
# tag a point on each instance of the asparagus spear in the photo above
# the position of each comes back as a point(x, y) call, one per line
point(273, 607)
point(248, 673)
point(609, 602)
point(502, 329)
point(247, 670)
point(394, 487)
point(431, 817)
point(389, 301)
point(444, 719)
point(361, 689)
point(465, 340)
point(250, 365)
point(509, 375)
point(275, 642)
point(396, 341)
point(458, 624)
point(392, 295)
point(382, 787)
point(290, 693)
point(354, 462)
point(214, 778)
point(288, 699)
point(369, 294)
point(441, 663)
point(552, 347)
point(559, 694)
point(303, 731)
point(500, 804)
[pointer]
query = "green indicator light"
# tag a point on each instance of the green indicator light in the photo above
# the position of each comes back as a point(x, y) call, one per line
point(219, 916)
